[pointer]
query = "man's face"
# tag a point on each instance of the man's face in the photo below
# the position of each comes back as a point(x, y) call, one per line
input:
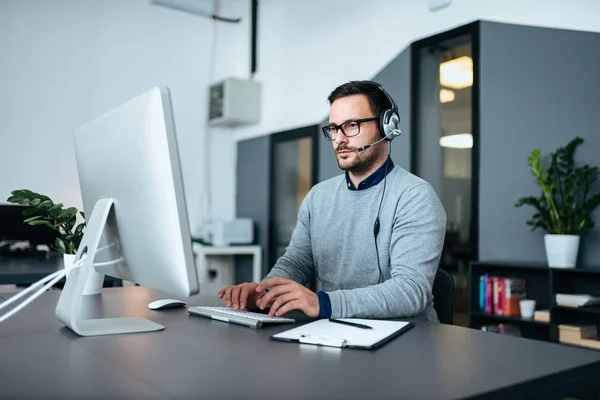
point(351, 108)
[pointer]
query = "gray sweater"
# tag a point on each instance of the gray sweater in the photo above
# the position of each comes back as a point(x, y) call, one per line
point(334, 239)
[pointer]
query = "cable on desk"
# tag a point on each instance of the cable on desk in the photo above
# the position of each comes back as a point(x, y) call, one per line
point(52, 279)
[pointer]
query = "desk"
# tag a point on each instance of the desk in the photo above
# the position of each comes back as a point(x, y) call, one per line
point(205, 251)
point(196, 357)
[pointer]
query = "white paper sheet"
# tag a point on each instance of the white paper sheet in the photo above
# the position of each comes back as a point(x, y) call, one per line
point(329, 333)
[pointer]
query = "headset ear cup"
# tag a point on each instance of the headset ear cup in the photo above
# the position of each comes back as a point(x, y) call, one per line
point(384, 126)
point(389, 120)
point(395, 121)
point(392, 125)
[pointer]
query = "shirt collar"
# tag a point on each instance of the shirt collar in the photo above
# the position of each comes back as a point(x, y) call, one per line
point(372, 179)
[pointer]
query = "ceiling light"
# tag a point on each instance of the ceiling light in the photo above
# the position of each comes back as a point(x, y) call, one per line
point(457, 73)
point(446, 96)
point(458, 141)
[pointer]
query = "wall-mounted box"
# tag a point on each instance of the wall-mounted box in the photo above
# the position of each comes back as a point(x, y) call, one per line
point(234, 101)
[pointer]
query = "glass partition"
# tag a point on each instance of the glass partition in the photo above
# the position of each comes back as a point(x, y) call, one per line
point(445, 136)
point(293, 173)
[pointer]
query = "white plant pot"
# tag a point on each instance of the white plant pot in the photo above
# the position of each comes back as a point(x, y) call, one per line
point(95, 279)
point(561, 250)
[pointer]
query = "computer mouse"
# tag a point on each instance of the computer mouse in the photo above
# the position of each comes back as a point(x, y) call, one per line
point(165, 303)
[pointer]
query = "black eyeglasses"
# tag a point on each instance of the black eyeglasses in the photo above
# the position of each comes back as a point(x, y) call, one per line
point(348, 128)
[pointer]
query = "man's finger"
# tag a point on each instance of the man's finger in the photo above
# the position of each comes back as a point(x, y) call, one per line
point(270, 303)
point(274, 292)
point(235, 297)
point(260, 301)
point(221, 292)
point(281, 301)
point(244, 295)
point(269, 283)
point(290, 306)
point(228, 296)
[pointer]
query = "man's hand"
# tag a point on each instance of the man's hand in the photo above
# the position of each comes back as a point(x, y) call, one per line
point(286, 295)
point(240, 296)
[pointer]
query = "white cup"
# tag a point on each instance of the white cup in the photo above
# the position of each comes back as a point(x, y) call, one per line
point(527, 308)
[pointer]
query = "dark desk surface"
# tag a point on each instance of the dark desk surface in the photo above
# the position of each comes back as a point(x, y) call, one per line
point(200, 358)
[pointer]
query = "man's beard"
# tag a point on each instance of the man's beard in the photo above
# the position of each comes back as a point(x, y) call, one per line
point(360, 163)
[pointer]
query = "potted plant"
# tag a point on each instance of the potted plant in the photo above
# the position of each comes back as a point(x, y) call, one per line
point(564, 207)
point(41, 210)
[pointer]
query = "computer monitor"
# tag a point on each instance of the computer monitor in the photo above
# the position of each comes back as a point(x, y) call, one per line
point(133, 198)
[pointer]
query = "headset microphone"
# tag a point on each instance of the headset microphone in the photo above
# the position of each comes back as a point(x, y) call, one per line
point(395, 132)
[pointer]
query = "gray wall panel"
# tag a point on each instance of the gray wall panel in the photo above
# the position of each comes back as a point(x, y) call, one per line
point(539, 89)
point(395, 77)
point(252, 197)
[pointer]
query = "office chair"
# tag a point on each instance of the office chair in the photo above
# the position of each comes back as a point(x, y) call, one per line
point(443, 296)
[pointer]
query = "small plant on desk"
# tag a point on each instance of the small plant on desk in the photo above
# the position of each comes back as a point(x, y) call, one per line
point(43, 211)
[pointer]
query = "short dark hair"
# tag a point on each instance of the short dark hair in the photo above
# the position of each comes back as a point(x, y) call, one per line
point(378, 102)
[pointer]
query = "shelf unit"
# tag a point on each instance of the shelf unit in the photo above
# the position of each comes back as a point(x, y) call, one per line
point(542, 285)
point(590, 310)
point(502, 318)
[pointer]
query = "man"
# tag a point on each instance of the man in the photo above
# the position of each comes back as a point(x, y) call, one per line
point(373, 236)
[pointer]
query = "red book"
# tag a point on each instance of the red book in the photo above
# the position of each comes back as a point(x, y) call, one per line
point(489, 305)
point(501, 296)
point(495, 294)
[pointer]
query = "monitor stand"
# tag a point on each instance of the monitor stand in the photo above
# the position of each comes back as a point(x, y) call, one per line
point(69, 309)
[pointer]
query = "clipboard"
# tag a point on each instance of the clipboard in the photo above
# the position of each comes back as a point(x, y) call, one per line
point(325, 333)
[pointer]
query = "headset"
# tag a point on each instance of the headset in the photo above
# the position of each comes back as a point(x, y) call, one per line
point(389, 119)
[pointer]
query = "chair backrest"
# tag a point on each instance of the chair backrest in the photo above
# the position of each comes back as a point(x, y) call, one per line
point(443, 296)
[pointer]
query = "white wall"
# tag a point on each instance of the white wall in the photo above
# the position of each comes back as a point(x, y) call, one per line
point(308, 47)
point(232, 58)
point(64, 62)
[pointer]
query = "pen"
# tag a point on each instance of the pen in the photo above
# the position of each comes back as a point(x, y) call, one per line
point(350, 323)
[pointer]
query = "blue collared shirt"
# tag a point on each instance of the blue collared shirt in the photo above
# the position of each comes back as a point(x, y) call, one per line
point(370, 181)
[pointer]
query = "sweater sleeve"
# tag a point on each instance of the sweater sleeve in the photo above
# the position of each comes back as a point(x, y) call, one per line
point(415, 250)
point(297, 262)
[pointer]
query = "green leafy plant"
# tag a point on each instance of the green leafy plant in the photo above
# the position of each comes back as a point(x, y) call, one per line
point(565, 204)
point(42, 211)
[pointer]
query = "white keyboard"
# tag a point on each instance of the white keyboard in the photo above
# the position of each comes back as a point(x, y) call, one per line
point(242, 317)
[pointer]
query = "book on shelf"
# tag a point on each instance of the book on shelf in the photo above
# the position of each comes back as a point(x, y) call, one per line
point(541, 315)
point(579, 335)
point(501, 295)
point(576, 300)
